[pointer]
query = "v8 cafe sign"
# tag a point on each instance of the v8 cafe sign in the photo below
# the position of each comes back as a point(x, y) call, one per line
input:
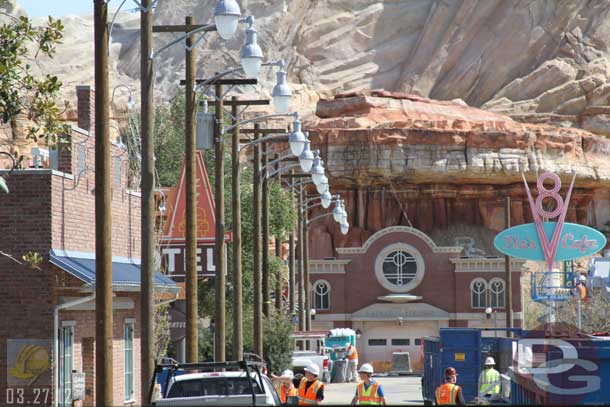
point(549, 241)
point(575, 241)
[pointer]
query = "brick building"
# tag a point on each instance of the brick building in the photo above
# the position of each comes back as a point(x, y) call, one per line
point(47, 328)
point(400, 286)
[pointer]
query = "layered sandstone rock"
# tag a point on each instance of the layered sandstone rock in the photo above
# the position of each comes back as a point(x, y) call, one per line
point(538, 61)
point(445, 168)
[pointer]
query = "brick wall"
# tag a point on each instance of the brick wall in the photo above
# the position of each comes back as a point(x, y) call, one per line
point(26, 301)
point(362, 287)
point(84, 350)
point(74, 204)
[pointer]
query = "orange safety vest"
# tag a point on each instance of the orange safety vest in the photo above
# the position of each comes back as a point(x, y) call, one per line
point(284, 392)
point(354, 355)
point(447, 394)
point(309, 397)
point(369, 396)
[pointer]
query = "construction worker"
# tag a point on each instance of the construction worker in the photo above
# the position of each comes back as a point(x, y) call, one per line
point(284, 385)
point(449, 392)
point(352, 363)
point(311, 389)
point(489, 381)
point(368, 392)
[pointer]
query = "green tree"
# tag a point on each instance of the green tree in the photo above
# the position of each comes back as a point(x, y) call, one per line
point(279, 343)
point(21, 92)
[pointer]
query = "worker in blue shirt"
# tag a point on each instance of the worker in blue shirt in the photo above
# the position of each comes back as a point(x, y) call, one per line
point(369, 392)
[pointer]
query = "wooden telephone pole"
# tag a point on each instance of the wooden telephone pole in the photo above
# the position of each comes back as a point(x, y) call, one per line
point(103, 214)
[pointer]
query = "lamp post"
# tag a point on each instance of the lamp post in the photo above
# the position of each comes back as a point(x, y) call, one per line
point(131, 103)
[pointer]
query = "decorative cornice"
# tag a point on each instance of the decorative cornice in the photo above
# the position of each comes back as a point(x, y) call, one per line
point(399, 229)
point(485, 265)
point(328, 266)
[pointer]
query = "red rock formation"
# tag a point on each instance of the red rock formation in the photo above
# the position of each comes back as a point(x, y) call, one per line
point(444, 167)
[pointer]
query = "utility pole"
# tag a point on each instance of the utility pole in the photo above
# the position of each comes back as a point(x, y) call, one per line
point(301, 232)
point(291, 285)
point(147, 296)
point(256, 214)
point(192, 310)
point(192, 313)
point(219, 246)
point(103, 214)
point(280, 275)
point(238, 335)
point(278, 253)
point(265, 231)
point(306, 268)
point(508, 276)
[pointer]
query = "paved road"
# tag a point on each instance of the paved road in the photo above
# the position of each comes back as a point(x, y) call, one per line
point(403, 390)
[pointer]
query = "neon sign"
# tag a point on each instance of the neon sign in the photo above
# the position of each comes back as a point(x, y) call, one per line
point(549, 241)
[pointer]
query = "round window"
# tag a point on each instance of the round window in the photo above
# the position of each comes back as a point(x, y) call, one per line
point(399, 267)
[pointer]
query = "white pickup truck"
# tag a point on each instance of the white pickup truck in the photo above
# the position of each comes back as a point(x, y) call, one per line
point(317, 355)
point(244, 387)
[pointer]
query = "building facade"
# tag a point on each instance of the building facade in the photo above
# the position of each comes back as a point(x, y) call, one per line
point(400, 286)
point(47, 328)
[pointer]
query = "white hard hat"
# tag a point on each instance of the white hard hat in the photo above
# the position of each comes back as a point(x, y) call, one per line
point(366, 368)
point(313, 369)
point(490, 361)
point(288, 373)
point(347, 344)
point(582, 278)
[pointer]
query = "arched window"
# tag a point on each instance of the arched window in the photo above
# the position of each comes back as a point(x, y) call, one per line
point(497, 291)
point(478, 290)
point(321, 295)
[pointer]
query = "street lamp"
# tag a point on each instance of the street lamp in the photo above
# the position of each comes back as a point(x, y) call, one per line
point(322, 185)
point(317, 169)
point(297, 138)
point(281, 94)
point(251, 53)
point(344, 228)
point(337, 212)
point(326, 199)
point(226, 17)
point(306, 157)
point(131, 103)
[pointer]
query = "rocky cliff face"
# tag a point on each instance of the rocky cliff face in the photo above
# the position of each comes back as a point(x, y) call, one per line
point(537, 60)
point(445, 168)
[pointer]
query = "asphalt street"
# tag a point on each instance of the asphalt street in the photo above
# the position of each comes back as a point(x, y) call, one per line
point(401, 390)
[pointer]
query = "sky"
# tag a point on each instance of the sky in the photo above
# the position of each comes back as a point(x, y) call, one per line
point(58, 8)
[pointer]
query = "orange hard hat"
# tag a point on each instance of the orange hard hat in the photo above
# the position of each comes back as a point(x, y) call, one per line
point(450, 371)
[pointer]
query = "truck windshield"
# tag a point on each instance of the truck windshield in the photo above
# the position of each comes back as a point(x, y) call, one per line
point(213, 386)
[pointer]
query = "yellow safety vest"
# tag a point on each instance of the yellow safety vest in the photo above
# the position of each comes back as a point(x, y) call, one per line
point(490, 382)
point(370, 396)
